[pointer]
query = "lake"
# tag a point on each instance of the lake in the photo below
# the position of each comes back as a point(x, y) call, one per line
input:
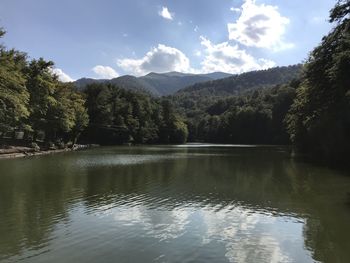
point(187, 203)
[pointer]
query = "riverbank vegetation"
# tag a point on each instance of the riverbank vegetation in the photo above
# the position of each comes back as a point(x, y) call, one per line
point(319, 119)
point(307, 105)
point(124, 116)
point(254, 117)
point(34, 105)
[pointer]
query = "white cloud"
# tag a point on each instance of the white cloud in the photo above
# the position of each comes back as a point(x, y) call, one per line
point(159, 59)
point(61, 75)
point(197, 53)
point(216, 57)
point(229, 58)
point(166, 14)
point(105, 72)
point(234, 9)
point(259, 26)
point(196, 29)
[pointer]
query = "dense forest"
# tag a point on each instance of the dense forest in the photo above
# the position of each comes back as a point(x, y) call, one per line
point(122, 116)
point(307, 105)
point(254, 117)
point(34, 104)
point(36, 107)
point(246, 108)
point(319, 119)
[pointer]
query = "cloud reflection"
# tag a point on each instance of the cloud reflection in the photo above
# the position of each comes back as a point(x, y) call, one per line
point(162, 225)
point(245, 235)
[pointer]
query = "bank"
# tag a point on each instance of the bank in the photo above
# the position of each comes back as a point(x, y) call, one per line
point(21, 151)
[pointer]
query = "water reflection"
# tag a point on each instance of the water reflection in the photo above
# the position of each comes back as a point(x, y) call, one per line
point(171, 204)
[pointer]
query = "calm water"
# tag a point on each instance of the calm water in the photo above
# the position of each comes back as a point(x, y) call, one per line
point(173, 204)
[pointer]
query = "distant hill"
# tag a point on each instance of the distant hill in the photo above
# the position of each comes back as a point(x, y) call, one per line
point(134, 83)
point(214, 84)
point(167, 84)
point(83, 82)
point(217, 75)
point(158, 84)
point(193, 100)
point(247, 81)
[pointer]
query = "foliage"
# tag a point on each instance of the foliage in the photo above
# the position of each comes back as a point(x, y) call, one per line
point(14, 96)
point(237, 84)
point(33, 100)
point(319, 119)
point(122, 116)
point(253, 117)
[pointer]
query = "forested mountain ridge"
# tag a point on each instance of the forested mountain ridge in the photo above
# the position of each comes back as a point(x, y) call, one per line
point(157, 84)
point(253, 117)
point(167, 84)
point(83, 82)
point(193, 101)
point(127, 82)
point(250, 80)
point(211, 84)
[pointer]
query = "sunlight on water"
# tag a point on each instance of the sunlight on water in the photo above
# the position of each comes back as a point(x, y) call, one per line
point(124, 160)
point(206, 145)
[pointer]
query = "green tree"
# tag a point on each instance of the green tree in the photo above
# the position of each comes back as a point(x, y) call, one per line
point(319, 120)
point(173, 129)
point(41, 85)
point(68, 116)
point(13, 94)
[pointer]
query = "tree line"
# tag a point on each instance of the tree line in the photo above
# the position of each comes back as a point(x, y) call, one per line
point(36, 107)
point(123, 116)
point(254, 117)
point(312, 111)
point(34, 103)
point(319, 119)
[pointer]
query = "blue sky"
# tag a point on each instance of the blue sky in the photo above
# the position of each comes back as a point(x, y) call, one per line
point(108, 38)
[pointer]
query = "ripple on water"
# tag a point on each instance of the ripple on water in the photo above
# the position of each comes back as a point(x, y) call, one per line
point(95, 161)
point(217, 206)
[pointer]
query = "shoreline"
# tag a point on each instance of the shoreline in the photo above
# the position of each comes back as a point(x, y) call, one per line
point(21, 152)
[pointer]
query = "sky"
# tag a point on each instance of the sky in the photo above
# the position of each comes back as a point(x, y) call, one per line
point(109, 38)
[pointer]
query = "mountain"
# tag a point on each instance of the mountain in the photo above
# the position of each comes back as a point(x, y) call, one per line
point(217, 75)
point(158, 84)
point(167, 84)
point(211, 84)
point(83, 82)
point(193, 100)
point(247, 81)
point(134, 83)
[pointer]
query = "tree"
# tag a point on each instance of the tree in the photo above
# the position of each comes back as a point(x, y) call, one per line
point(173, 129)
point(68, 116)
point(319, 119)
point(13, 94)
point(41, 85)
point(33, 99)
